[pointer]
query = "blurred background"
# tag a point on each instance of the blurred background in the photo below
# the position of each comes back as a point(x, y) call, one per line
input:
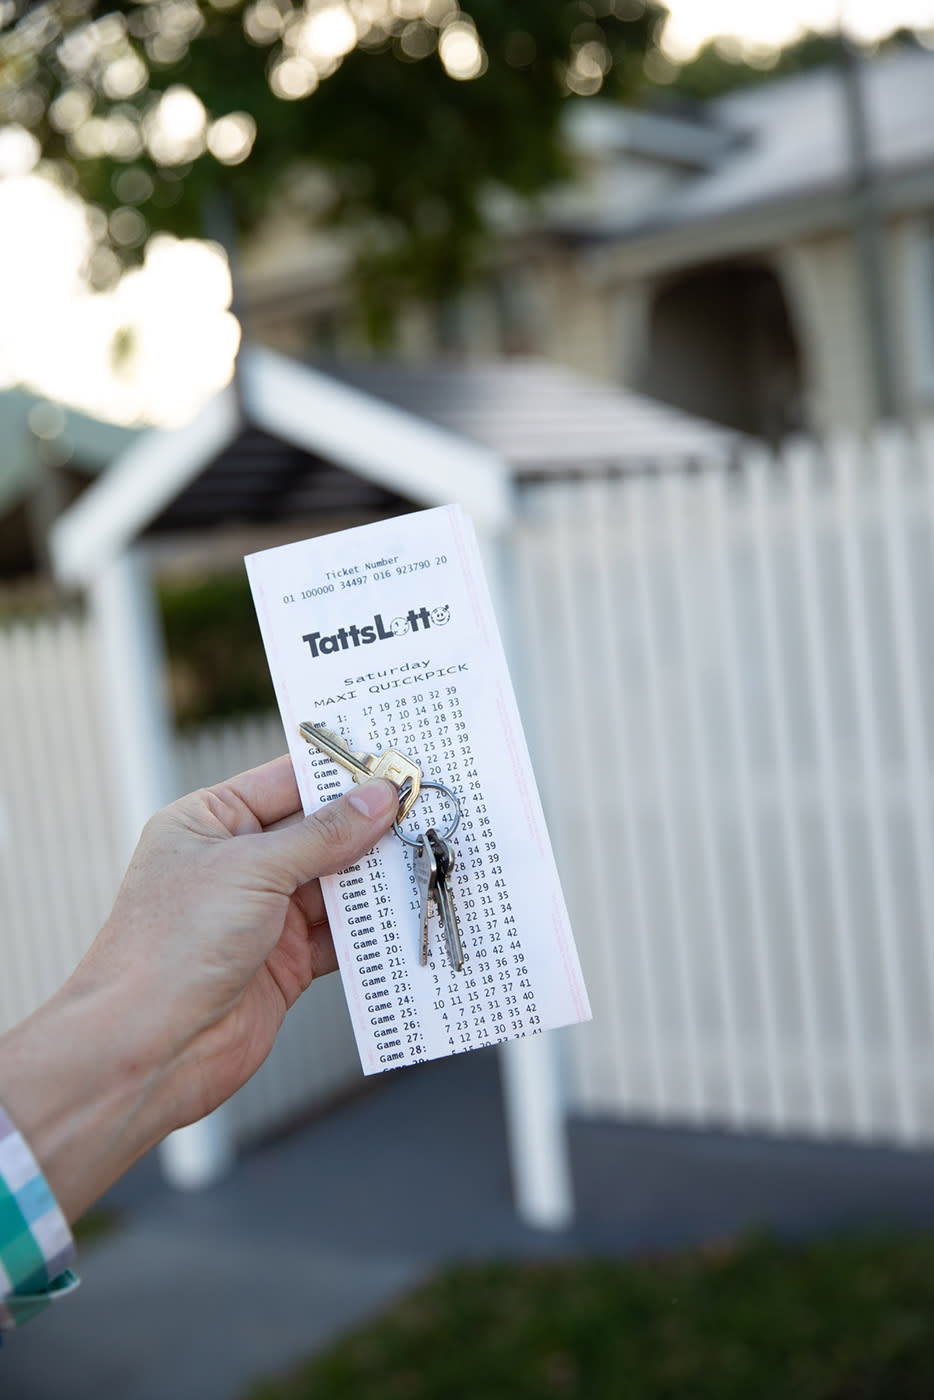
point(674, 268)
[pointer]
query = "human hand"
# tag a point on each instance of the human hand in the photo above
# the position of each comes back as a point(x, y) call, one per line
point(218, 927)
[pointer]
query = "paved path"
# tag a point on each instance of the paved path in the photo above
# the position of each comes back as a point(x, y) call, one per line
point(313, 1233)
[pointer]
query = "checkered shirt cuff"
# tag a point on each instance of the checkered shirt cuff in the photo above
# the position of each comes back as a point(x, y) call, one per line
point(36, 1248)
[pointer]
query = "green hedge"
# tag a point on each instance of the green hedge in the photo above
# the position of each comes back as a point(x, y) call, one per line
point(217, 665)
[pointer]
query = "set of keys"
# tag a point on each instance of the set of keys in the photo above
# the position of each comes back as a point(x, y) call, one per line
point(433, 857)
point(433, 862)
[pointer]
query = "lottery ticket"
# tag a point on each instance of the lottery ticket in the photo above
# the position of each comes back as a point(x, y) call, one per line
point(386, 635)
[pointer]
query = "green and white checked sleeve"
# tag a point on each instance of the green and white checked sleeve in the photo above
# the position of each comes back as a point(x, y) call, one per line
point(36, 1247)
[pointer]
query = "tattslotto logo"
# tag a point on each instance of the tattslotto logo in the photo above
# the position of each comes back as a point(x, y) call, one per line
point(364, 634)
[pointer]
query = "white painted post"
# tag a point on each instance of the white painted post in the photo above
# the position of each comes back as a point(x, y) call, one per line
point(533, 1102)
point(132, 689)
point(142, 745)
point(535, 1130)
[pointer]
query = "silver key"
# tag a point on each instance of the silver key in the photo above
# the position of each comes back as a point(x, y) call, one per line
point(444, 861)
point(391, 764)
point(426, 877)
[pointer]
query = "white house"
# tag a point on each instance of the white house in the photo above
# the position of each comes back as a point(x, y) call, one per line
point(709, 257)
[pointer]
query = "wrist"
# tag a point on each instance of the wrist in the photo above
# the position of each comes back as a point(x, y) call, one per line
point(80, 1086)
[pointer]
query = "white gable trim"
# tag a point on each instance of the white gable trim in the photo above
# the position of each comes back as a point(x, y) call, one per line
point(137, 488)
point(374, 439)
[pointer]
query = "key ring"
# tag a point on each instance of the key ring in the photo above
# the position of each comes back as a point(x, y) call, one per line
point(438, 787)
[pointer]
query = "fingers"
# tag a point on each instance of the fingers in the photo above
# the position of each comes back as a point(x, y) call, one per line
point(269, 791)
point(312, 901)
point(332, 838)
point(323, 955)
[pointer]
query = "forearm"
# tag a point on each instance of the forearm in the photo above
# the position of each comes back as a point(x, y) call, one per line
point(82, 1091)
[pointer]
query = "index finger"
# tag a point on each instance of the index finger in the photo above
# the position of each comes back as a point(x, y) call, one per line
point(270, 791)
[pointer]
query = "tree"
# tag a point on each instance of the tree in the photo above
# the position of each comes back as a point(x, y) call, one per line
point(722, 66)
point(391, 119)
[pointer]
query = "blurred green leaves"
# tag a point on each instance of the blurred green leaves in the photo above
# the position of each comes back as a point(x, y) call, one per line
point(408, 114)
point(217, 666)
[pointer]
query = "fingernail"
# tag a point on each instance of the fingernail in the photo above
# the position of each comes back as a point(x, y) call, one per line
point(375, 798)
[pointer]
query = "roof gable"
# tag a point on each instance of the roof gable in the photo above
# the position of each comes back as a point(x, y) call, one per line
point(378, 441)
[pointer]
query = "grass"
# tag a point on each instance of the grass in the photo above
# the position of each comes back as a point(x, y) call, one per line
point(839, 1320)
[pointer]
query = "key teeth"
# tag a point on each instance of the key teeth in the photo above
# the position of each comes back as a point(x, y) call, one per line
point(363, 766)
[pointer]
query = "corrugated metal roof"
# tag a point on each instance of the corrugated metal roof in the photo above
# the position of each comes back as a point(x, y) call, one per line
point(543, 419)
point(787, 140)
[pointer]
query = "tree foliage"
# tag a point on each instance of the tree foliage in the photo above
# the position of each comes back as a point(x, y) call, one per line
point(720, 66)
point(391, 119)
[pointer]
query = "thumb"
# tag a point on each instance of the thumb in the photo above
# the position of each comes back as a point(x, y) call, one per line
point(333, 837)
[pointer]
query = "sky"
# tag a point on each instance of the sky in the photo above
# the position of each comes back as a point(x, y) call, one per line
point(57, 336)
point(771, 23)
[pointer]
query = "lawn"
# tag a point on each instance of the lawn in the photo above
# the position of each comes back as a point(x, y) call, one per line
point(840, 1320)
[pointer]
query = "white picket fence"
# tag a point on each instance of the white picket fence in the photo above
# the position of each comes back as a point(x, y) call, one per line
point(59, 861)
point(733, 686)
point(728, 682)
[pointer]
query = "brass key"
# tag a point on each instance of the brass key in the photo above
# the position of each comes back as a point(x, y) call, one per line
point(391, 764)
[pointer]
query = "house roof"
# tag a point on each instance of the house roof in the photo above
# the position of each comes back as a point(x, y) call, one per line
point(542, 419)
point(595, 128)
point(782, 142)
point(201, 474)
point(26, 420)
point(424, 435)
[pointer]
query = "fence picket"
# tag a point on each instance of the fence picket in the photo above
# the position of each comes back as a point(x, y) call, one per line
point(895, 466)
point(546, 702)
point(847, 462)
point(756, 468)
point(680, 495)
point(639, 541)
point(604, 507)
point(591, 764)
point(720, 516)
point(803, 467)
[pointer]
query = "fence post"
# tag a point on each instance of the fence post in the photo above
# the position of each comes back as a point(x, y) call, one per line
point(535, 1129)
point(143, 749)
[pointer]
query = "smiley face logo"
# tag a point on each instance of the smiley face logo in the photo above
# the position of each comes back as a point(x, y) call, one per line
point(399, 626)
point(441, 616)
